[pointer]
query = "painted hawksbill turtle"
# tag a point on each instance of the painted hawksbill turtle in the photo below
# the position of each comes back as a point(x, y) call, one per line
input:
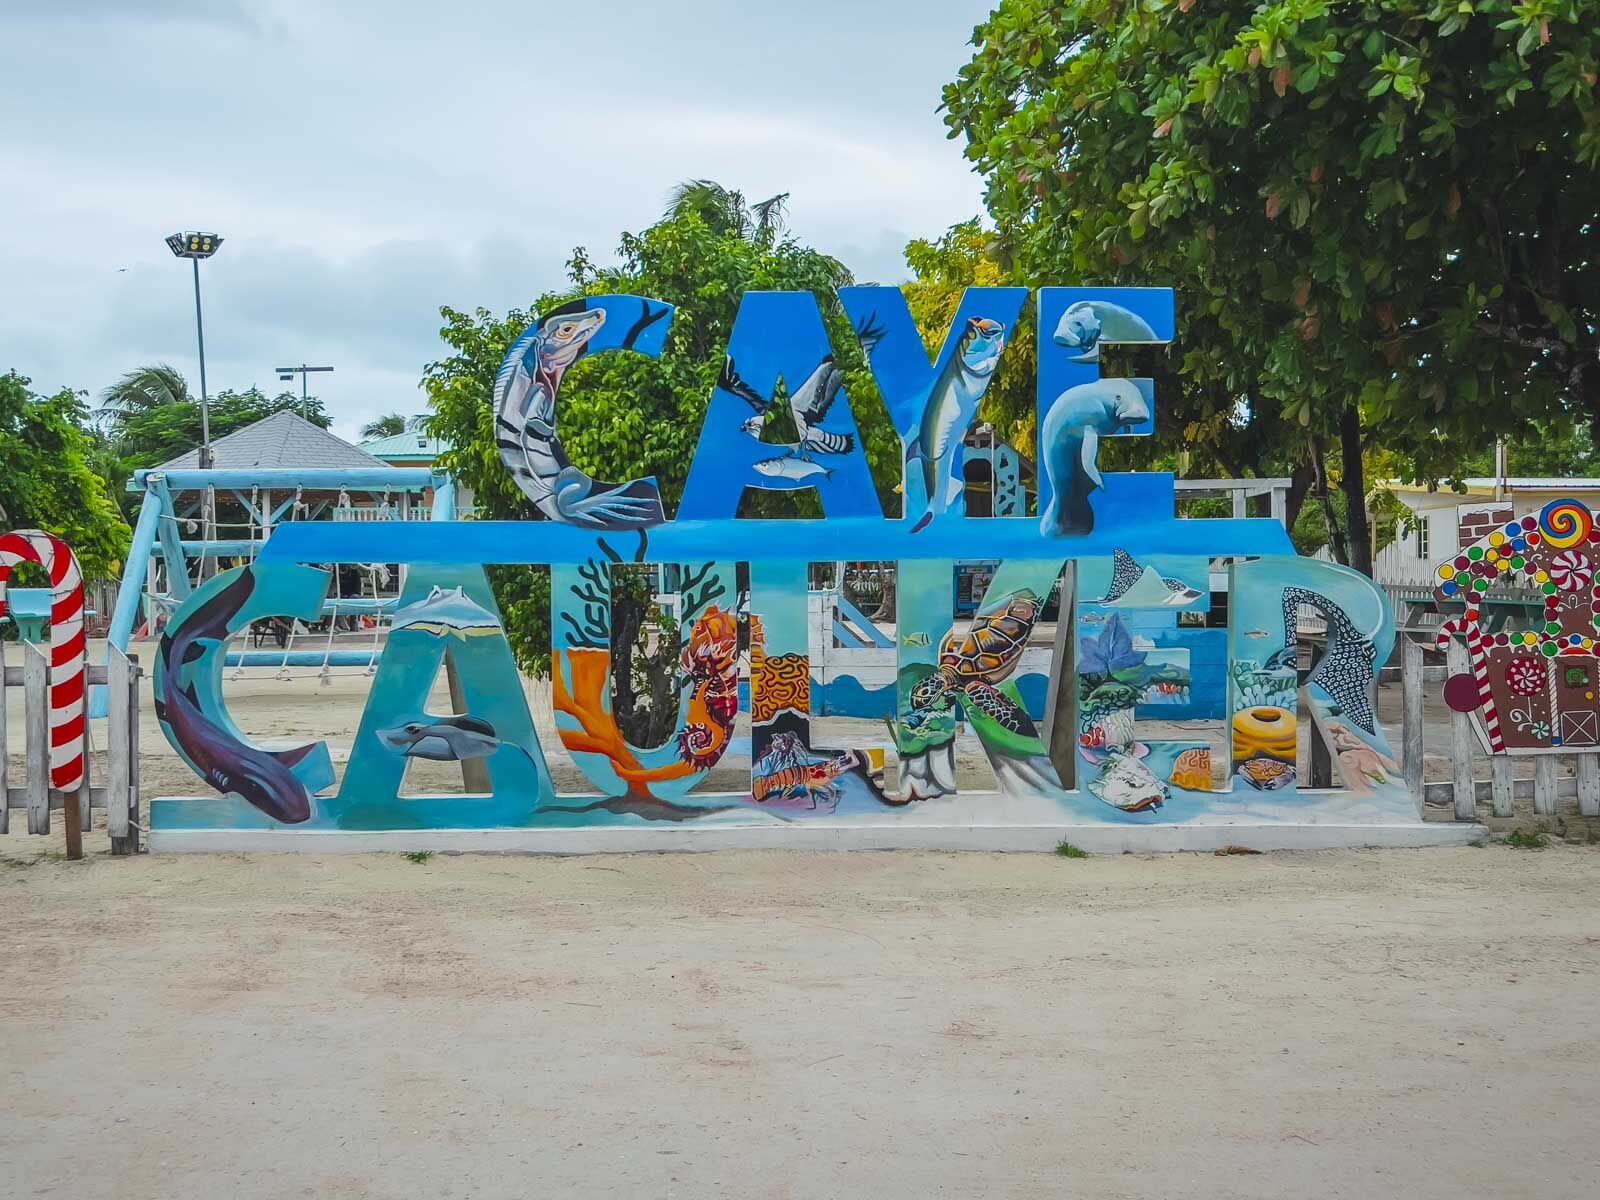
point(970, 664)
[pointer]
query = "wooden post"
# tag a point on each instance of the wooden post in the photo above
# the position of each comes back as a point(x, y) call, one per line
point(1280, 506)
point(1412, 760)
point(474, 771)
point(36, 720)
point(1462, 741)
point(1060, 706)
point(1501, 787)
point(1241, 503)
point(133, 750)
point(1589, 785)
point(118, 767)
point(1544, 786)
point(5, 754)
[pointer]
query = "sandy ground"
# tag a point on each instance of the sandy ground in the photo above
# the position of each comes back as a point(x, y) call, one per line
point(1339, 1024)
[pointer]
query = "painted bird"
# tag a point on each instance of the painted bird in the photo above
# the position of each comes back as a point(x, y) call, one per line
point(809, 403)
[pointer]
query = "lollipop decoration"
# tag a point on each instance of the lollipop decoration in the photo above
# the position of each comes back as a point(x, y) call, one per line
point(1467, 626)
point(1564, 524)
point(1571, 571)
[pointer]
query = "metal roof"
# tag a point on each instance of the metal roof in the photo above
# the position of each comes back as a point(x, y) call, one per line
point(411, 446)
point(283, 440)
point(1532, 483)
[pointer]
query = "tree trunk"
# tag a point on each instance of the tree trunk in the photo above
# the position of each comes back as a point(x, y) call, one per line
point(1319, 473)
point(1353, 482)
point(1301, 477)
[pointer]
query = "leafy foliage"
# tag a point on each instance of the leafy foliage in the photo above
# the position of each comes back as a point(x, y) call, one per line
point(625, 416)
point(47, 481)
point(1382, 218)
point(388, 425)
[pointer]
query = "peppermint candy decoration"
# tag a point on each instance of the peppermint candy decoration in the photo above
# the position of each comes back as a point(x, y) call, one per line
point(1525, 676)
point(1571, 571)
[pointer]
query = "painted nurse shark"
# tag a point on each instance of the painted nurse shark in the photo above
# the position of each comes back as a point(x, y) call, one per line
point(1088, 323)
point(1073, 427)
point(952, 403)
point(447, 612)
point(260, 777)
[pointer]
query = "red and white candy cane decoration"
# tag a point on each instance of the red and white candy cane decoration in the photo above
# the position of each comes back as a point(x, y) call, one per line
point(67, 675)
point(1468, 627)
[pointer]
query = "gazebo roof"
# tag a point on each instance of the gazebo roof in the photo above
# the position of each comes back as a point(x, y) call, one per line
point(283, 440)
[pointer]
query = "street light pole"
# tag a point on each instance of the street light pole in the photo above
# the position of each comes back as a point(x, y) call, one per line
point(286, 374)
point(205, 399)
point(194, 247)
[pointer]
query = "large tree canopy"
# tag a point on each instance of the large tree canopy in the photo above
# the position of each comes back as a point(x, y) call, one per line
point(623, 415)
point(46, 481)
point(1382, 218)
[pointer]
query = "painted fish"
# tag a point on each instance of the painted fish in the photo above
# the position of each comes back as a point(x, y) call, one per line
point(1127, 784)
point(260, 777)
point(446, 612)
point(918, 639)
point(445, 739)
point(952, 403)
point(787, 466)
point(1088, 323)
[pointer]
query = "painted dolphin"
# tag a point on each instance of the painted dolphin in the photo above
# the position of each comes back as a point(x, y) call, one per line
point(1088, 323)
point(447, 611)
point(445, 739)
point(260, 777)
point(952, 403)
point(1073, 427)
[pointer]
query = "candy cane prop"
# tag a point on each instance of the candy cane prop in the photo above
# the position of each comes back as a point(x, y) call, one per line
point(67, 674)
point(1480, 672)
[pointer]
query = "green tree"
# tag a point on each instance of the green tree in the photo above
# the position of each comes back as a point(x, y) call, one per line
point(625, 416)
point(388, 425)
point(1381, 218)
point(47, 482)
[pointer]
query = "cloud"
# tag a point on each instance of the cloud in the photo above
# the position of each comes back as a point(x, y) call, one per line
point(369, 161)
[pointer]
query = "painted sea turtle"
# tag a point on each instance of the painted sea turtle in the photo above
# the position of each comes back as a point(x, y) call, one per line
point(970, 664)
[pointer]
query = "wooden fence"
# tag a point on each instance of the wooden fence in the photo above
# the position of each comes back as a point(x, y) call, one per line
point(118, 794)
point(1547, 788)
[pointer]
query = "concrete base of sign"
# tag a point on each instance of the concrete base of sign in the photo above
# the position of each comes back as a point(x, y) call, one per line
point(1096, 839)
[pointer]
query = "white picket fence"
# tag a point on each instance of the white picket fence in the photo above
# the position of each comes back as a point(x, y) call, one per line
point(118, 794)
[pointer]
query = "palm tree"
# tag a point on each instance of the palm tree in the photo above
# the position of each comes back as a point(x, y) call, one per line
point(385, 426)
point(141, 391)
point(725, 210)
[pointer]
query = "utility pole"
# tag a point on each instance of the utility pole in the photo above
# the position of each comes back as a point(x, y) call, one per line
point(288, 373)
point(194, 247)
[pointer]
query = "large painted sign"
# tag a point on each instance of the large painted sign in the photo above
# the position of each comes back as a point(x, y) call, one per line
point(1104, 555)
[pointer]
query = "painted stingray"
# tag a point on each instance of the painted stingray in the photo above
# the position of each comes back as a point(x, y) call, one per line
point(260, 777)
point(446, 612)
point(1071, 435)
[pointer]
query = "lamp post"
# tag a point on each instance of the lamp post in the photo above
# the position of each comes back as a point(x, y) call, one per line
point(288, 373)
point(194, 247)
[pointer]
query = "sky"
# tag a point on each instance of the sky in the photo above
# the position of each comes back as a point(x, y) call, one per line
point(367, 162)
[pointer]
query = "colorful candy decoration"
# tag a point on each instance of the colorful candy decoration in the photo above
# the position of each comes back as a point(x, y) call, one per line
point(1525, 675)
point(1565, 523)
point(67, 676)
point(1467, 627)
point(1571, 571)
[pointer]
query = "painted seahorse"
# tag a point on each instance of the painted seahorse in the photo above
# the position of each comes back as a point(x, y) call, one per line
point(1073, 427)
point(711, 666)
point(952, 403)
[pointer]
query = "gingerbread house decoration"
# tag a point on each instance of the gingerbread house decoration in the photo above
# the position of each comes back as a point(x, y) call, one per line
point(1532, 689)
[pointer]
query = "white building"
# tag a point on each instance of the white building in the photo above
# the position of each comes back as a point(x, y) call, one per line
point(1443, 521)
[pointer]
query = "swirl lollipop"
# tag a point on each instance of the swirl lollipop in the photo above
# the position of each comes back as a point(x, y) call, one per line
point(1565, 523)
point(1571, 571)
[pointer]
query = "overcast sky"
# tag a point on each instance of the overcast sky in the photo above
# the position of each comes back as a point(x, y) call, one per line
point(370, 161)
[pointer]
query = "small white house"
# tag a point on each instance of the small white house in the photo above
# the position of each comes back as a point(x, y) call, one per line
point(1443, 521)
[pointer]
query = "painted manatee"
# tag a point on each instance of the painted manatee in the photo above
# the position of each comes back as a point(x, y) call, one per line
point(1073, 427)
point(1088, 323)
